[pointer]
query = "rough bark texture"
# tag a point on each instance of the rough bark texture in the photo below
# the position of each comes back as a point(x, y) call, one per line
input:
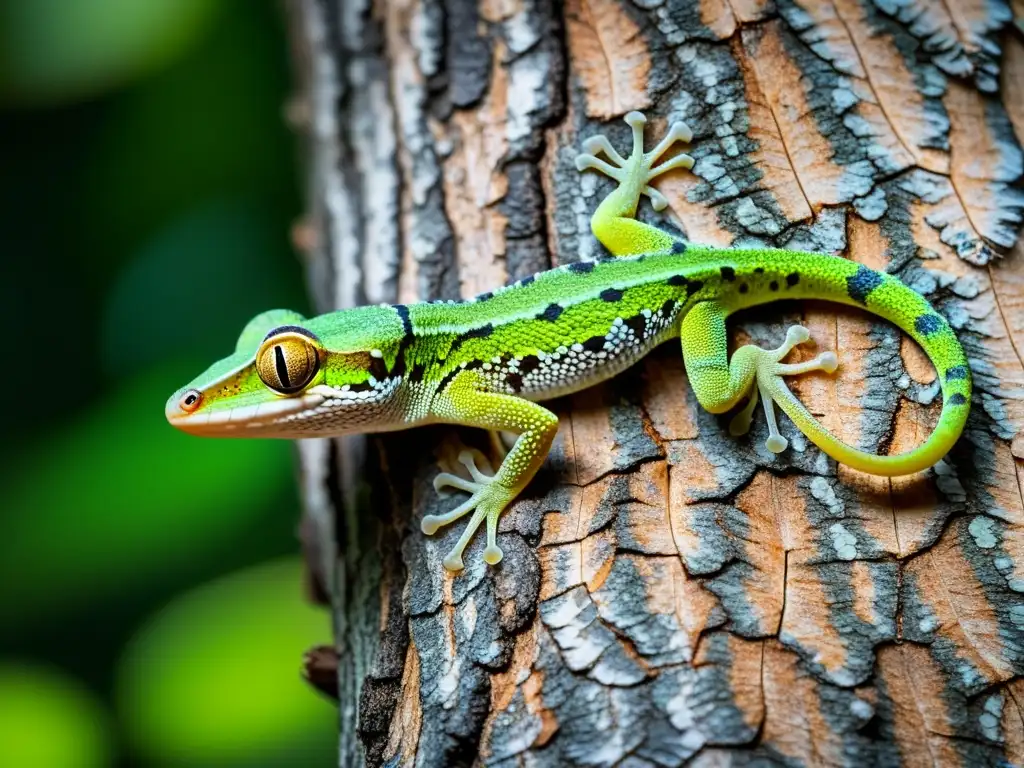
point(671, 595)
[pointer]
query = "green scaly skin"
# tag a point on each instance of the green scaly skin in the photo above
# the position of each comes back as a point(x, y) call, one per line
point(485, 362)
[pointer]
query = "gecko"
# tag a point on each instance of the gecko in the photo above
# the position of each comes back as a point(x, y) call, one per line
point(490, 361)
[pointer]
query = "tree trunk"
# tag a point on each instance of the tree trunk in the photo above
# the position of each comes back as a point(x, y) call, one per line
point(670, 594)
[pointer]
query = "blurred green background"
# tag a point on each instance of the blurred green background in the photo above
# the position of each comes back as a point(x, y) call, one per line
point(151, 610)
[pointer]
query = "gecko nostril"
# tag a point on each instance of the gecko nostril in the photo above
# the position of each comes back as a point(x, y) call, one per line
point(191, 400)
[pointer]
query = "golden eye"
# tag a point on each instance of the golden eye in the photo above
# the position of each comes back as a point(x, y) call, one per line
point(191, 400)
point(287, 360)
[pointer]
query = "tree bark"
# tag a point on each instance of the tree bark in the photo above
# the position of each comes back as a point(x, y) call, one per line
point(672, 595)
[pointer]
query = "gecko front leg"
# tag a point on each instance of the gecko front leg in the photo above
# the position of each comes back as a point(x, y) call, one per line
point(613, 223)
point(465, 402)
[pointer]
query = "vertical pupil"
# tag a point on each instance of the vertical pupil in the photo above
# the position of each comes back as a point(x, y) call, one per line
point(282, 367)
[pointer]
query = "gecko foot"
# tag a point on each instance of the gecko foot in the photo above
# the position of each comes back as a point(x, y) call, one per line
point(768, 382)
point(487, 500)
point(639, 168)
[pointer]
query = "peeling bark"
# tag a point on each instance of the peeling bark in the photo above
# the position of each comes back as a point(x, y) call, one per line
point(671, 595)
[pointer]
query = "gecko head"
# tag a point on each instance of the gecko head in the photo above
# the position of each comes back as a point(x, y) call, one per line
point(289, 377)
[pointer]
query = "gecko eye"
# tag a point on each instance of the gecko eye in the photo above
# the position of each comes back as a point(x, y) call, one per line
point(191, 400)
point(287, 360)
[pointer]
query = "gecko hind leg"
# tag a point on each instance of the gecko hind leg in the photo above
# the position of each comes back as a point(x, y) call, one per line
point(638, 170)
point(770, 385)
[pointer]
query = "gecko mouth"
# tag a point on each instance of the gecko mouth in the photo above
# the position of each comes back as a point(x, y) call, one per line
point(241, 421)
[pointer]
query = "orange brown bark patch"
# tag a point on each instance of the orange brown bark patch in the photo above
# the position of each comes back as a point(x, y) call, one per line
point(793, 722)
point(770, 157)
point(718, 17)
point(976, 159)
point(781, 82)
point(610, 55)
point(745, 679)
point(764, 548)
point(474, 183)
point(915, 685)
point(747, 11)
point(962, 614)
point(404, 735)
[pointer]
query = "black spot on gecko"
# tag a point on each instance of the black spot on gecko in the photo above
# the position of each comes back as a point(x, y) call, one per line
point(676, 280)
point(582, 267)
point(678, 247)
point(417, 372)
point(667, 307)
point(956, 372)
point(403, 313)
point(611, 294)
point(552, 313)
point(860, 284)
point(398, 369)
point(759, 270)
point(593, 344)
point(638, 324)
point(527, 280)
point(529, 364)
point(473, 333)
point(692, 287)
point(515, 381)
point(378, 368)
point(485, 296)
point(728, 274)
point(928, 324)
point(957, 399)
point(744, 287)
point(792, 279)
point(773, 285)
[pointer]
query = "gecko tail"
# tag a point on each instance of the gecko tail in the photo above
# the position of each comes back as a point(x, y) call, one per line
point(887, 297)
point(946, 432)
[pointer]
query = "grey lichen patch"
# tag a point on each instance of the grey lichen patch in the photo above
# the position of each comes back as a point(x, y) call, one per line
point(624, 604)
point(929, 79)
point(745, 617)
point(919, 620)
point(983, 542)
point(633, 442)
point(526, 247)
point(454, 696)
point(825, 234)
point(867, 736)
point(585, 642)
point(711, 98)
point(833, 511)
point(973, 51)
point(467, 53)
point(982, 530)
point(832, 99)
point(858, 635)
point(718, 529)
point(1003, 194)
point(681, 21)
point(662, 721)
point(536, 77)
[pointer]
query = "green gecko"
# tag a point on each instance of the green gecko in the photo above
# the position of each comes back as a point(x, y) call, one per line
point(486, 362)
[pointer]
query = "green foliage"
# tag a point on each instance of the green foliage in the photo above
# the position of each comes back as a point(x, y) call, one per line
point(58, 50)
point(48, 720)
point(181, 296)
point(135, 500)
point(146, 210)
point(213, 679)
